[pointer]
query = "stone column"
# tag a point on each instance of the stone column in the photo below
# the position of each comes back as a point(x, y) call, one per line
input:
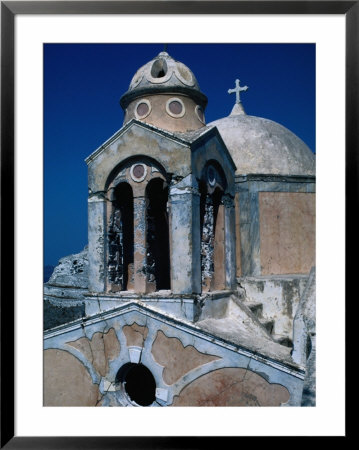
point(185, 238)
point(140, 250)
point(230, 241)
point(96, 249)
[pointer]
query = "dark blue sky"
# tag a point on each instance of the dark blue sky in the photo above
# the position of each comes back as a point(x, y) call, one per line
point(84, 82)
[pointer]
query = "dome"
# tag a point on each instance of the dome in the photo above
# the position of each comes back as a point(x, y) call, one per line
point(261, 146)
point(163, 74)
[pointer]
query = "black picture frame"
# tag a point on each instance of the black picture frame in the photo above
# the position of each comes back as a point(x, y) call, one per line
point(9, 9)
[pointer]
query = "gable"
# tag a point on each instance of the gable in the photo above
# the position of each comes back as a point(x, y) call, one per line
point(136, 139)
point(177, 354)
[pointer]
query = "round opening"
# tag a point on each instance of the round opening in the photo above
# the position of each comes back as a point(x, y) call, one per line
point(138, 172)
point(185, 73)
point(175, 107)
point(200, 113)
point(143, 108)
point(138, 382)
point(159, 68)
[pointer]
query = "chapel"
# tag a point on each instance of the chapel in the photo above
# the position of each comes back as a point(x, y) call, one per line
point(197, 287)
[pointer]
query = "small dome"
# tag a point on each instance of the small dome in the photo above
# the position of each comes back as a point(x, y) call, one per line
point(261, 146)
point(163, 74)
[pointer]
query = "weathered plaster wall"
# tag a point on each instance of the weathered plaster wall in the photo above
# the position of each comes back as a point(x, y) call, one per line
point(67, 381)
point(277, 224)
point(232, 387)
point(136, 140)
point(279, 297)
point(287, 232)
point(176, 359)
point(185, 238)
point(99, 350)
point(82, 360)
point(210, 148)
point(238, 237)
point(159, 117)
point(304, 339)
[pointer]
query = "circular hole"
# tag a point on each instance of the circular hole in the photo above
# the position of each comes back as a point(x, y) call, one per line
point(138, 170)
point(138, 382)
point(159, 68)
point(142, 109)
point(175, 107)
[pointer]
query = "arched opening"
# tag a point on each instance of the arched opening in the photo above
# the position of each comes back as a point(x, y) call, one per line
point(212, 227)
point(158, 254)
point(138, 383)
point(121, 239)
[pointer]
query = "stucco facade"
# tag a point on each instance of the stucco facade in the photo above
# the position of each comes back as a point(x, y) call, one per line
point(200, 243)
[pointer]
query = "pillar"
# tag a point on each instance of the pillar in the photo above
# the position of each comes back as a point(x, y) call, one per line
point(96, 248)
point(185, 239)
point(230, 241)
point(139, 257)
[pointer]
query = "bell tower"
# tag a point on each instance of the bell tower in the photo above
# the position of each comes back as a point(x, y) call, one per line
point(161, 212)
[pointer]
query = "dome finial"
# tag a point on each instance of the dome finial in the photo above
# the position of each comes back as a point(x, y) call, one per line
point(237, 90)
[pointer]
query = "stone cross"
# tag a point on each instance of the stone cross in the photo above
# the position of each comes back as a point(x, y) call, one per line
point(237, 90)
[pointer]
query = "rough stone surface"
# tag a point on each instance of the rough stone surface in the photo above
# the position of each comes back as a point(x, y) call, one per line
point(278, 296)
point(48, 272)
point(72, 271)
point(66, 381)
point(176, 359)
point(242, 328)
point(304, 339)
point(262, 146)
point(232, 387)
point(55, 315)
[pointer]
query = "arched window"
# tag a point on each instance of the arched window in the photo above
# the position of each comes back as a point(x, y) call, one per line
point(158, 254)
point(212, 226)
point(120, 239)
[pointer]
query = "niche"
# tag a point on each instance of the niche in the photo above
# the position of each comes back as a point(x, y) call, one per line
point(158, 255)
point(121, 239)
point(212, 226)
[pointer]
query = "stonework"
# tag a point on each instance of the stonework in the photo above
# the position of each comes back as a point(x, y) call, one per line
point(194, 289)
